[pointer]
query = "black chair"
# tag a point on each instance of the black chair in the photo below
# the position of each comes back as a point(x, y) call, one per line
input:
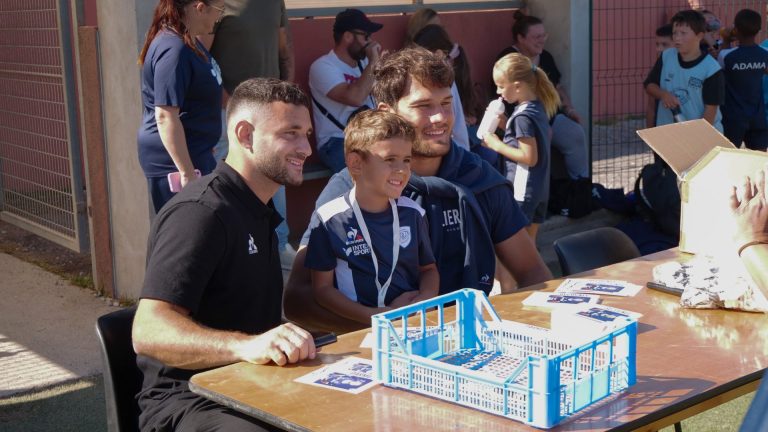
point(592, 249)
point(122, 378)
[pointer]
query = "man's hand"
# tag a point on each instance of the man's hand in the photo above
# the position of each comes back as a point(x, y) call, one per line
point(750, 211)
point(373, 52)
point(285, 344)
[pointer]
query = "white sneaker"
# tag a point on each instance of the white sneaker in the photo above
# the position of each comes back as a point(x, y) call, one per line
point(287, 255)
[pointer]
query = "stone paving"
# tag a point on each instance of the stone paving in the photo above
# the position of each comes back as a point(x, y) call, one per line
point(47, 331)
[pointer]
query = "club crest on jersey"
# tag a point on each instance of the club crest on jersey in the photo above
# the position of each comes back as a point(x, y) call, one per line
point(354, 236)
point(405, 236)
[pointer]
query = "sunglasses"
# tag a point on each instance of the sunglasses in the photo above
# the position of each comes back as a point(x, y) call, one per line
point(365, 35)
point(221, 9)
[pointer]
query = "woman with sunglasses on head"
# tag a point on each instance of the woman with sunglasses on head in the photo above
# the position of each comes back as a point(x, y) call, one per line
point(568, 136)
point(181, 97)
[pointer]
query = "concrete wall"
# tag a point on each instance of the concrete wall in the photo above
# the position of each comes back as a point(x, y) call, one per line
point(567, 22)
point(122, 24)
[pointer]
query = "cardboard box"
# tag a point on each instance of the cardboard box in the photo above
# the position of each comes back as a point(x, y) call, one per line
point(708, 165)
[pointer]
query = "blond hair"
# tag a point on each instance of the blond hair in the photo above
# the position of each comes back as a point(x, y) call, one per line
point(369, 127)
point(517, 67)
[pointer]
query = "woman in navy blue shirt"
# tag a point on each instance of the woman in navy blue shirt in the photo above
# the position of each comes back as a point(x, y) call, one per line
point(181, 96)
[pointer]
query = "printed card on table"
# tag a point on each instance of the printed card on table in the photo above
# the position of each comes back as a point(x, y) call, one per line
point(553, 300)
point(350, 375)
point(585, 322)
point(598, 286)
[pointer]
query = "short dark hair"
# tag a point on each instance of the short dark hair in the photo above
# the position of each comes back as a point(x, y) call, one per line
point(393, 73)
point(664, 31)
point(747, 23)
point(522, 23)
point(693, 19)
point(372, 126)
point(257, 92)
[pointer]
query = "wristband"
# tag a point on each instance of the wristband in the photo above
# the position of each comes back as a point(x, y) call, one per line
point(751, 243)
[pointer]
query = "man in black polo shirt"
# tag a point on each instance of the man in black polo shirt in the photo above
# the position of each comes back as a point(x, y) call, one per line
point(213, 287)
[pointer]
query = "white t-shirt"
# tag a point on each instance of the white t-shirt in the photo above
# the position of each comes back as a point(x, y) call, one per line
point(326, 73)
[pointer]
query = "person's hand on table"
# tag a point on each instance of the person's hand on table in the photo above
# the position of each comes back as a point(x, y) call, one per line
point(283, 345)
point(750, 212)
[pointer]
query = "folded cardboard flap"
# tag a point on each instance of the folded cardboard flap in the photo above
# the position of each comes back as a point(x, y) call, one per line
point(683, 144)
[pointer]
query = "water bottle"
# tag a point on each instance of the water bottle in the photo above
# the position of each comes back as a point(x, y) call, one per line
point(490, 121)
point(677, 115)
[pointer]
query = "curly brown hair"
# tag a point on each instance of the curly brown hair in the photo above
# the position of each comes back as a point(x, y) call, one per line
point(393, 73)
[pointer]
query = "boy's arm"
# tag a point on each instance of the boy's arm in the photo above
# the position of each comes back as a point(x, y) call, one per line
point(300, 304)
point(650, 113)
point(429, 282)
point(526, 154)
point(332, 299)
point(666, 98)
point(713, 95)
point(653, 88)
point(710, 113)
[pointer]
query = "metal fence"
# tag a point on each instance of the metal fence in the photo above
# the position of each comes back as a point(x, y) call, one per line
point(623, 52)
point(40, 164)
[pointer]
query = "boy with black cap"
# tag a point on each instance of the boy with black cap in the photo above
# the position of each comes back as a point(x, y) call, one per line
point(341, 82)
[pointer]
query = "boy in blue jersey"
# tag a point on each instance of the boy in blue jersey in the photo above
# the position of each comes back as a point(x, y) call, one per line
point(369, 249)
point(744, 67)
point(684, 79)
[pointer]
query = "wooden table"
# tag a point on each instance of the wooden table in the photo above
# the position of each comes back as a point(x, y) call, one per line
point(687, 362)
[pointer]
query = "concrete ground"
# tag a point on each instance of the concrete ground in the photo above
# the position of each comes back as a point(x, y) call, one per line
point(47, 332)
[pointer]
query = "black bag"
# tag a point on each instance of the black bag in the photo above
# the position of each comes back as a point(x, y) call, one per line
point(572, 198)
point(658, 198)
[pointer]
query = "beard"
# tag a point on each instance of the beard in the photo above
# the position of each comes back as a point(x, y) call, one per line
point(356, 51)
point(432, 148)
point(272, 166)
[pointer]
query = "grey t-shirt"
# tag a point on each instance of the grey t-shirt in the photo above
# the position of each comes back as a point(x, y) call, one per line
point(246, 44)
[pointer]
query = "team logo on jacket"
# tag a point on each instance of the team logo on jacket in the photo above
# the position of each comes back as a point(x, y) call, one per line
point(252, 249)
point(353, 236)
point(405, 236)
point(356, 243)
point(451, 220)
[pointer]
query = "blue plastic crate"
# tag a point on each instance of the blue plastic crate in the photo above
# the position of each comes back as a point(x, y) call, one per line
point(511, 369)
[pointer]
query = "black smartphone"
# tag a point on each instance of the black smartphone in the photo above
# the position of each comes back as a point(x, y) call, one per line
point(323, 338)
point(663, 288)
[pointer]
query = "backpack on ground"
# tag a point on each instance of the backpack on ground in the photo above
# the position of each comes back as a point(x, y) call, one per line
point(658, 197)
point(571, 198)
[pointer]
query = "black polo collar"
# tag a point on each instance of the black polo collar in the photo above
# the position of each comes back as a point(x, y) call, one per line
point(243, 192)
